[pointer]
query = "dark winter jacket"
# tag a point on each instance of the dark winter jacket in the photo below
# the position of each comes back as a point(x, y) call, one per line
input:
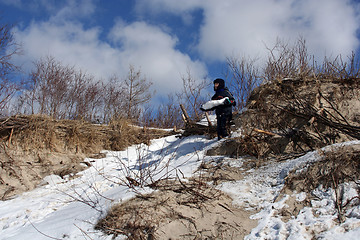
point(227, 108)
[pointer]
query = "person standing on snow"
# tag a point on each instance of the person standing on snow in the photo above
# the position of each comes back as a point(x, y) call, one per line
point(223, 112)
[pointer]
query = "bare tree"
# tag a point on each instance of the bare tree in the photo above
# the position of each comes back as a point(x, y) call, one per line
point(50, 85)
point(192, 94)
point(62, 92)
point(168, 113)
point(244, 77)
point(114, 103)
point(148, 117)
point(76, 90)
point(90, 101)
point(137, 92)
point(8, 49)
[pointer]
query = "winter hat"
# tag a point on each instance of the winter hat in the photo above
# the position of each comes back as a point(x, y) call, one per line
point(221, 83)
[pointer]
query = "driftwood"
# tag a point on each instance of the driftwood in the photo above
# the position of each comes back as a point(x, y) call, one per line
point(185, 114)
point(266, 132)
point(208, 119)
point(193, 128)
point(198, 129)
point(312, 114)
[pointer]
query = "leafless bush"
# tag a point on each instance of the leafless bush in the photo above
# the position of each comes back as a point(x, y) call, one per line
point(244, 78)
point(147, 171)
point(149, 167)
point(192, 95)
point(89, 101)
point(343, 166)
point(166, 115)
point(338, 68)
point(294, 61)
point(337, 166)
point(114, 103)
point(61, 92)
point(50, 83)
point(142, 216)
point(168, 112)
point(65, 93)
point(287, 61)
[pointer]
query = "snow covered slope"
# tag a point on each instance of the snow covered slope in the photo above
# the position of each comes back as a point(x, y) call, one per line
point(69, 208)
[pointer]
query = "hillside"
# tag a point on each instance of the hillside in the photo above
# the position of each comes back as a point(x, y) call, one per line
point(279, 149)
point(36, 146)
point(289, 171)
point(294, 116)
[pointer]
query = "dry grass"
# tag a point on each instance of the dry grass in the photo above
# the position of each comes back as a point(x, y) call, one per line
point(35, 146)
point(336, 167)
point(42, 132)
point(191, 210)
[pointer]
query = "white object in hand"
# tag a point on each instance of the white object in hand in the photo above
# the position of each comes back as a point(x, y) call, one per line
point(213, 103)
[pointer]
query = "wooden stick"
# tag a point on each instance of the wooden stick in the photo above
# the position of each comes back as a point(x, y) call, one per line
point(11, 133)
point(311, 121)
point(208, 119)
point(187, 118)
point(265, 132)
point(184, 118)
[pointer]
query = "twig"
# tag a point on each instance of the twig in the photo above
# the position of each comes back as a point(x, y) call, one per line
point(11, 133)
point(337, 204)
point(350, 200)
point(87, 235)
point(222, 205)
point(48, 236)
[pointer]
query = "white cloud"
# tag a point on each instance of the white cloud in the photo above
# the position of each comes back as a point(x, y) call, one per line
point(229, 27)
point(68, 43)
point(244, 27)
point(146, 47)
point(155, 52)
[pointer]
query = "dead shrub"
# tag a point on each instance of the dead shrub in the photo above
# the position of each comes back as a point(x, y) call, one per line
point(139, 218)
point(31, 132)
point(35, 146)
point(295, 116)
point(178, 210)
point(336, 167)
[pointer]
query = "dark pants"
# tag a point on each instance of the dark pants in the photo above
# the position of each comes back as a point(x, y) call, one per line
point(223, 122)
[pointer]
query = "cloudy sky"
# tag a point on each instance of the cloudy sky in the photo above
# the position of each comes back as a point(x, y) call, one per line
point(166, 38)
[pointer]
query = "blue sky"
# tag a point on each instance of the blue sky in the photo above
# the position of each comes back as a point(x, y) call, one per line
point(168, 38)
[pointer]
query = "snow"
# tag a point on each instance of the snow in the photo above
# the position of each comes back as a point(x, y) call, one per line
point(68, 208)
